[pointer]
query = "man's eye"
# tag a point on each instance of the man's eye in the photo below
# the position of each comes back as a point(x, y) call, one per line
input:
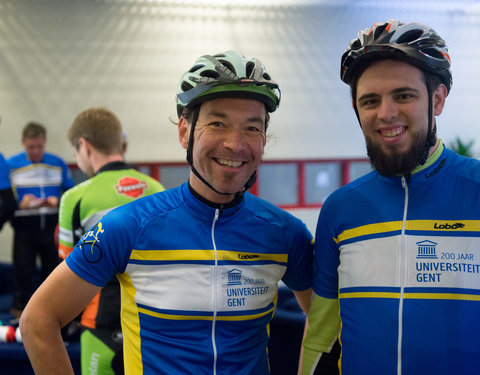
point(367, 103)
point(405, 96)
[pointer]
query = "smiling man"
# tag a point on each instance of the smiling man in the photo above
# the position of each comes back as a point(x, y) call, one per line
point(397, 251)
point(198, 265)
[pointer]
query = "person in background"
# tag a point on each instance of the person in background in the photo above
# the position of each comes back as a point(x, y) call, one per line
point(39, 178)
point(96, 137)
point(8, 203)
point(199, 264)
point(397, 251)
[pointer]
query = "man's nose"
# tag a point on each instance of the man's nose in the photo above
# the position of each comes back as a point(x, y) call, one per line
point(388, 109)
point(235, 140)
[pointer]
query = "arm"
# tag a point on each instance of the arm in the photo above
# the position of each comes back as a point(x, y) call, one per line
point(58, 300)
point(321, 331)
point(304, 299)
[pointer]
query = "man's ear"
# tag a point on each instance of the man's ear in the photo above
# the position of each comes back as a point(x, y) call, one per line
point(183, 132)
point(439, 96)
point(82, 142)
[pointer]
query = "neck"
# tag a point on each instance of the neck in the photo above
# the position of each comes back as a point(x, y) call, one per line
point(99, 160)
point(433, 155)
point(235, 200)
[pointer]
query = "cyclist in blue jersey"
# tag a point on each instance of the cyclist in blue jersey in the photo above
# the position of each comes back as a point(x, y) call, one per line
point(199, 264)
point(38, 178)
point(397, 252)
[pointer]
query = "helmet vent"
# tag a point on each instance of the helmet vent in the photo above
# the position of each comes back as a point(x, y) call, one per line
point(433, 52)
point(228, 66)
point(267, 77)
point(379, 30)
point(186, 86)
point(410, 36)
point(195, 68)
point(210, 74)
point(249, 69)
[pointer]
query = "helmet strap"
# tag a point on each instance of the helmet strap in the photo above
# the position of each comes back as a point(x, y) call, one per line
point(238, 194)
point(431, 130)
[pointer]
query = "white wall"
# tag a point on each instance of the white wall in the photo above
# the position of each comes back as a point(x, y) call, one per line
point(58, 57)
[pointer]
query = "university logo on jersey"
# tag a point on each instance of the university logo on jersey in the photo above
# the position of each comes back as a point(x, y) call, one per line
point(131, 187)
point(427, 250)
point(234, 277)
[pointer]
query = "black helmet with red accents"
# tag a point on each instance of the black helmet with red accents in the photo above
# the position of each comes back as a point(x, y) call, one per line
point(413, 43)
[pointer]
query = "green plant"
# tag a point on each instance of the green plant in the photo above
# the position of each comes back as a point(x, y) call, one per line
point(462, 148)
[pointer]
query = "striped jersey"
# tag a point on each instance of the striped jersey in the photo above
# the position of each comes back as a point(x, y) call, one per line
point(50, 177)
point(403, 260)
point(199, 284)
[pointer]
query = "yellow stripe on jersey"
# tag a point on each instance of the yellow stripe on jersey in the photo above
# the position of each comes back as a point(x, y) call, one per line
point(388, 226)
point(130, 326)
point(369, 295)
point(182, 255)
point(446, 296)
point(412, 295)
point(420, 225)
point(202, 317)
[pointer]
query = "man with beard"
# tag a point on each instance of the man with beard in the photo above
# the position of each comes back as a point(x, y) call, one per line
point(397, 252)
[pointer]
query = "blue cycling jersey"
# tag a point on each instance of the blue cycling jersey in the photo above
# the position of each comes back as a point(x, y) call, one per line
point(403, 259)
point(4, 174)
point(50, 177)
point(199, 284)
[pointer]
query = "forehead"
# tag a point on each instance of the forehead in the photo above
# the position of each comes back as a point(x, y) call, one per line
point(34, 141)
point(389, 74)
point(233, 107)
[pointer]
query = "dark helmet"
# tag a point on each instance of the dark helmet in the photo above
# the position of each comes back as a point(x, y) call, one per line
point(224, 75)
point(413, 43)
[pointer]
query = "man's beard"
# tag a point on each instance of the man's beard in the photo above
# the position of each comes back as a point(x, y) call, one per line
point(395, 163)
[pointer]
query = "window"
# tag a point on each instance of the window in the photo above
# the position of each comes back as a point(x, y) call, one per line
point(173, 175)
point(278, 183)
point(321, 179)
point(358, 169)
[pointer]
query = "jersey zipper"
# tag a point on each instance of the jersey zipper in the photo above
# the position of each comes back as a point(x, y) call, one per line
point(214, 292)
point(402, 272)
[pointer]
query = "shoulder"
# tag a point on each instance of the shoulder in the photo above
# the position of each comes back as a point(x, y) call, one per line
point(18, 160)
point(464, 166)
point(143, 209)
point(3, 163)
point(150, 182)
point(76, 192)
point(271, 214)
point(365, 184)
point(53, 159)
